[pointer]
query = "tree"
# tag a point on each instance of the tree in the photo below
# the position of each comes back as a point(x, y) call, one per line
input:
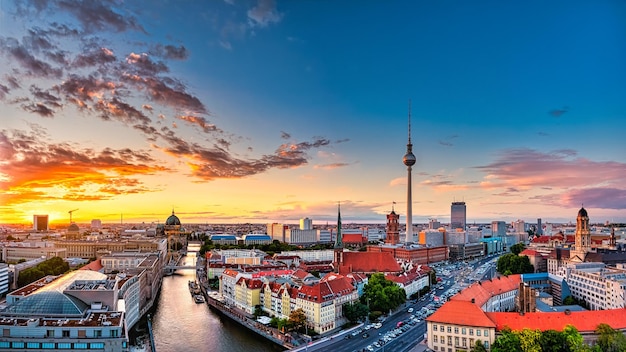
point(552, 341)
point(573, 339)
point(569, 300)
point(517, 248)
point(297, 319)
point(380, 294)
point(514, 263)
point(507, 341)
point(355, 311)
point(609, 339)
point(480, 347)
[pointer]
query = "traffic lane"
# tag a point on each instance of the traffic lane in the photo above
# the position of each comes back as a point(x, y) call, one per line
point(410, 338)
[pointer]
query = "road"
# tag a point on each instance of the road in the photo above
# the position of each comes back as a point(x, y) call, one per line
point(345, 342)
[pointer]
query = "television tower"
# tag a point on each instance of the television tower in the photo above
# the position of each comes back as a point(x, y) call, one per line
point(409, 160)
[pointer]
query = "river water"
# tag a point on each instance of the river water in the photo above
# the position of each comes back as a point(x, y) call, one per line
point(180, 324)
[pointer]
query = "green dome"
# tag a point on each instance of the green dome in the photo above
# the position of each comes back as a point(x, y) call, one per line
point(172, 220)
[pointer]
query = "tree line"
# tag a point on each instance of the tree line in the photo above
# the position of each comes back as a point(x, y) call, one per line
point(568, 340)
point(52, 266)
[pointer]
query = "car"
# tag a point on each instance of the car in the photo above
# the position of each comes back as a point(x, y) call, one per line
point(366, 335)
point(370, 348)
point(411, 310)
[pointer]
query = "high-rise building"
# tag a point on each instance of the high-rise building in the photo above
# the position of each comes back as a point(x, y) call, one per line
point(433, 224)
point(458, 215)
point(539, 227)
point(276, 231)
point(96, 224)
point(40, 222)
point(306, 224)
point(409, 160)
point(498, 229)
point(519, 226)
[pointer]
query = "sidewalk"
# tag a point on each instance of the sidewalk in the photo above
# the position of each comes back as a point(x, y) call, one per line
point(420, 347)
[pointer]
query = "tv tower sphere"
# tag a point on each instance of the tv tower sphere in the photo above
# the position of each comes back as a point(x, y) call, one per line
point(409, 158)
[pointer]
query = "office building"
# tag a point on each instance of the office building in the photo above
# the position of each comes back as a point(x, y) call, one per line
point(458, 215)
point(306, 224)
point(40, 222)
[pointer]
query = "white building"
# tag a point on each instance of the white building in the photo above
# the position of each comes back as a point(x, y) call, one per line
point(601, 287)
point(306, 224)
point(297, 236)
point(4, 278)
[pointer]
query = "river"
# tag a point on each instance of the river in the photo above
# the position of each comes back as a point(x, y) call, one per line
point(180, 324)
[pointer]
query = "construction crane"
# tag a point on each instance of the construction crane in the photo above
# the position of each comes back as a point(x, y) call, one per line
point(70, 212)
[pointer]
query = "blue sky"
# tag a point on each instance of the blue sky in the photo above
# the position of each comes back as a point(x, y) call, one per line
point(238, 111)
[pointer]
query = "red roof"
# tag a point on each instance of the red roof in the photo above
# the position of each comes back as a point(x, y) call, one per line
point(586, 321)
point(461, 313)
point(481, 292)
point(96, 265)
point(300, 274)
point(368, 262)
point(353, 238)
point(530, 253)
point(326, 290)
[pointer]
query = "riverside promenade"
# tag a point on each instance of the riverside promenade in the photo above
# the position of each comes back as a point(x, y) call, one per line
point(247, 321)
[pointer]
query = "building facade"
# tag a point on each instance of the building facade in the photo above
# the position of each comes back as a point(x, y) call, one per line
point(458, 215)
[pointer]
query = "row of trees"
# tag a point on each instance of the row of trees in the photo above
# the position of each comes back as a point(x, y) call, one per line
point(52, 266)
point(568, 340)
point(275, 247)
point(514, 264)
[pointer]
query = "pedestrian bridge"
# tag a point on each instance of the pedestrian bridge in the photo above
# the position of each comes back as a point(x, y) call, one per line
point(176, 267)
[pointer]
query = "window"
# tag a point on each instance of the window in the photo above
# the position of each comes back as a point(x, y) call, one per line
point(17, 344)
point(97, 333)
point(96, 345)
point(477, 332)
point(449, 340)
point(471, 332)
point(441, 328)
point(435, 338)
point(487, 345)
point(434, 327)
point(456, 341)
point(449, 329)
point(465, 342)
point(47, 345)
point(463, 331)
point(80, 345)
point(33, 345)
point(64, 345)
point(456, 330)
point(486, 333)
point(66, 333)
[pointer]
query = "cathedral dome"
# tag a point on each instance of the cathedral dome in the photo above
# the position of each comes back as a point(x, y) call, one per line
point(582, 213)
point(172, 220)
point(73, 228)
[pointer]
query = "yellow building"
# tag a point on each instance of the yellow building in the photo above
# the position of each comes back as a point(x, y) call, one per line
point(248, 294)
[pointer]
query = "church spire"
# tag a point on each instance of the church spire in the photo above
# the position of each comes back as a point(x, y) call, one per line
point(339, 239)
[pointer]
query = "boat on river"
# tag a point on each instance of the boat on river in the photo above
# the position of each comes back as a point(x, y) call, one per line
point(199, 298)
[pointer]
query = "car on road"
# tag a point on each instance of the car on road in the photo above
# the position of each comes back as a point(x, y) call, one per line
point(411, 310)
point(366, 335)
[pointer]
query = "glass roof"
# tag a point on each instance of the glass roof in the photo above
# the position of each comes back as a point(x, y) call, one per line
point(50, 299)
point(48, 303)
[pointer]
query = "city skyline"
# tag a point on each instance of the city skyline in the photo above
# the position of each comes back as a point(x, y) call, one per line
point(263, 111)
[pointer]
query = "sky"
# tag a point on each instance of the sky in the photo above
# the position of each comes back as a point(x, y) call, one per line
point(270, 111)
